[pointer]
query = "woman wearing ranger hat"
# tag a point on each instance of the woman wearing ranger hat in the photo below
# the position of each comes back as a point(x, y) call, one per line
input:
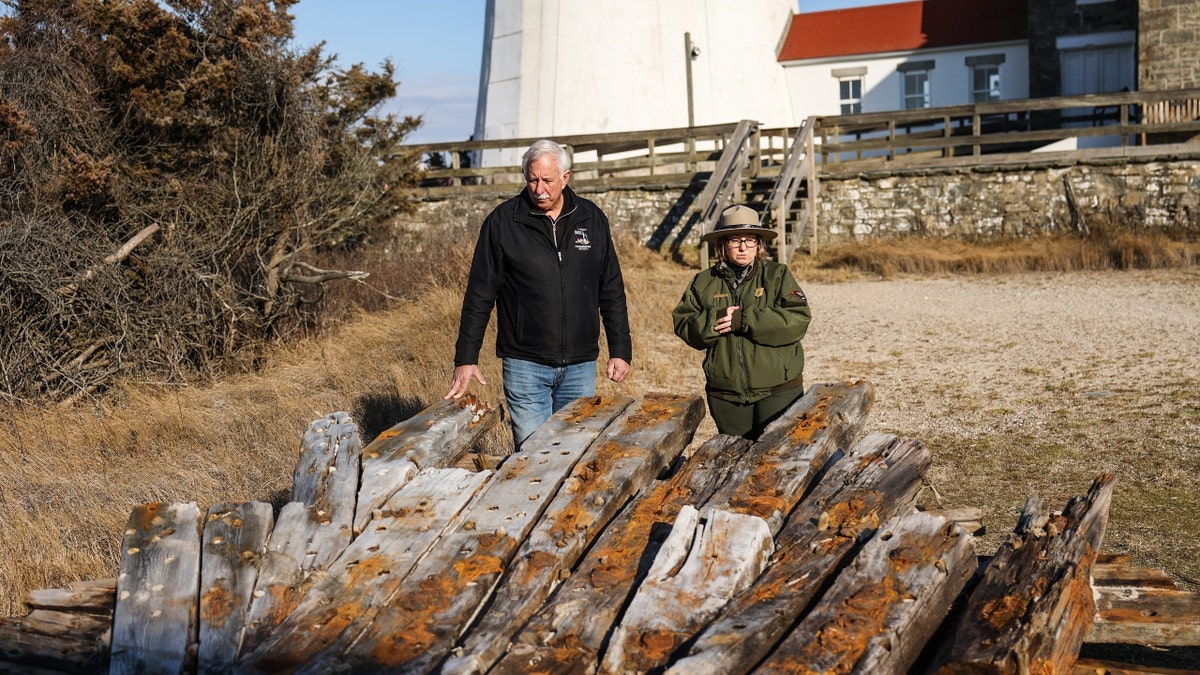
point(748, 314)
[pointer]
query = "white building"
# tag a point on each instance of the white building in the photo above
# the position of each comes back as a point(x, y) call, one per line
point(921, 54)
point(560, 67)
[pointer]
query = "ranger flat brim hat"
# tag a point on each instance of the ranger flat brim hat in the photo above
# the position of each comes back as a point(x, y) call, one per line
point(739, 220)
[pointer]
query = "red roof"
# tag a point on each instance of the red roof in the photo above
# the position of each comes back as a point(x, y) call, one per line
point(903, 26)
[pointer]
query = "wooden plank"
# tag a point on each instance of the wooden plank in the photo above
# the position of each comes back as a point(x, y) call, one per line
point(325, 480)
point(1148, 616)
point(234, 541)
point(451, 582)
point(781, 465)
point(154, 621)
point(703, 563)
point(53, 622)
point(1033, 606)
point(282, 574)
point(93, 596)
point(369, 573)
point(1107, 575)
point(328, 461)
point(877, 480)
point(567, 633)
point(26, 651)
point(1100, 667)
point(880, 611)
point(435, 437)
point(638, 447)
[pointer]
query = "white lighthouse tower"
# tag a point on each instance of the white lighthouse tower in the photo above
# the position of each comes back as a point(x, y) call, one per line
point(559, 67)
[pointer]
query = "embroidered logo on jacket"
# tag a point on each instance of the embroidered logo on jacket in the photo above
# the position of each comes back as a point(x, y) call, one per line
point(582, 243)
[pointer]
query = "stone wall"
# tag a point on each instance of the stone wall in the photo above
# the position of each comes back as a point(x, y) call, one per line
point(1168, 45)
point(970, 203)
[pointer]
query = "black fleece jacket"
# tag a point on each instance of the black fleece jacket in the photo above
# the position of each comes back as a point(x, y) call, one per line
point(550, 291)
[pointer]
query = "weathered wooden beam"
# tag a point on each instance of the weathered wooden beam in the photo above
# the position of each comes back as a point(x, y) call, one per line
point(1102, 667)
point(877, 480)
point(85, 596)
point(234, 541)
point(567, 633)
point(326, 480)
point(703, 563)
point(450, 583)
point(1147, 616)
point(435, 437)
point(880, 611)
point(783, 462)
point(26, 651)
point(155, 618)
point(369, 572)
point(1033, 606)
point(638, 447)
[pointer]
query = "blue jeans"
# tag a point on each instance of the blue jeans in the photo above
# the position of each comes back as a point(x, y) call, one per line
point(534, 392)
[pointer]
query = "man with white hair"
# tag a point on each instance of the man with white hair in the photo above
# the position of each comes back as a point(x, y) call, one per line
point(545, 260)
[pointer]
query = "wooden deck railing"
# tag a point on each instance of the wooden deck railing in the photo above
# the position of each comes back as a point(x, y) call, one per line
point(719, 160)
point(1007, 131)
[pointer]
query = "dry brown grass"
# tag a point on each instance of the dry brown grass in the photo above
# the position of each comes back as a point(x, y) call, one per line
point(69, 477)
point(1103, 248)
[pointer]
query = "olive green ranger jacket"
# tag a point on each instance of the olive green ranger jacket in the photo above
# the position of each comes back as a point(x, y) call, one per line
point(763, 354)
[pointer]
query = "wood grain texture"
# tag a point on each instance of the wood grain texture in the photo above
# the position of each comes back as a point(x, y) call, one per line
point(446, 589)
point(1033, 607)
point(567, 633)
point(704, 562)
point(634, 450)
point(876, 481)
point(783, 462)
point(881, 610)
point(155, 618)
point(332, 614)
point(435, 437)
point(233, 544)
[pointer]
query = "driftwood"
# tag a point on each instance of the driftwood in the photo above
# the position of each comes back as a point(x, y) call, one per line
point(1033, 607)
point(437, 436)
point(369, 573)
point(772, 478)
point(604, 545)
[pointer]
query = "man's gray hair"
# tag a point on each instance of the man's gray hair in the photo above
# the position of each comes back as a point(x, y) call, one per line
point(541, 149)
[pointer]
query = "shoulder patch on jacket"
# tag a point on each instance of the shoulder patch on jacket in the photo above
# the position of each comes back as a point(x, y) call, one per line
point(799, 294)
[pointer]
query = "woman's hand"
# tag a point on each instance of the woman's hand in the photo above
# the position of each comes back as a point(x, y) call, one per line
point(725, 323)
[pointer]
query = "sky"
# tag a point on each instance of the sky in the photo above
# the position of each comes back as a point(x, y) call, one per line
point(435, 46)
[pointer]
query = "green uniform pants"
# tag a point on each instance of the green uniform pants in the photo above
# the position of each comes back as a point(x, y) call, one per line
point(749, 419)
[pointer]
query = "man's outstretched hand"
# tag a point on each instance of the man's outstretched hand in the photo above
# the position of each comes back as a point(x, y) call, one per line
point(463, 376)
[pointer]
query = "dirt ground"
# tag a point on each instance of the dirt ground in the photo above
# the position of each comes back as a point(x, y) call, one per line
point(1032, 384)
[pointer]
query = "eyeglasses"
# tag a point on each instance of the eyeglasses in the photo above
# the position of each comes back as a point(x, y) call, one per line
point(748, 242)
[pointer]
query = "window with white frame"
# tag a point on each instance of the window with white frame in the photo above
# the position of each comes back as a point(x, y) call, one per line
point(850, 89)
point(917, 90)
point(985, 77)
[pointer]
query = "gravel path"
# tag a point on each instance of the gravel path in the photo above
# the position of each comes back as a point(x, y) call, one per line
point(1036, 384)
